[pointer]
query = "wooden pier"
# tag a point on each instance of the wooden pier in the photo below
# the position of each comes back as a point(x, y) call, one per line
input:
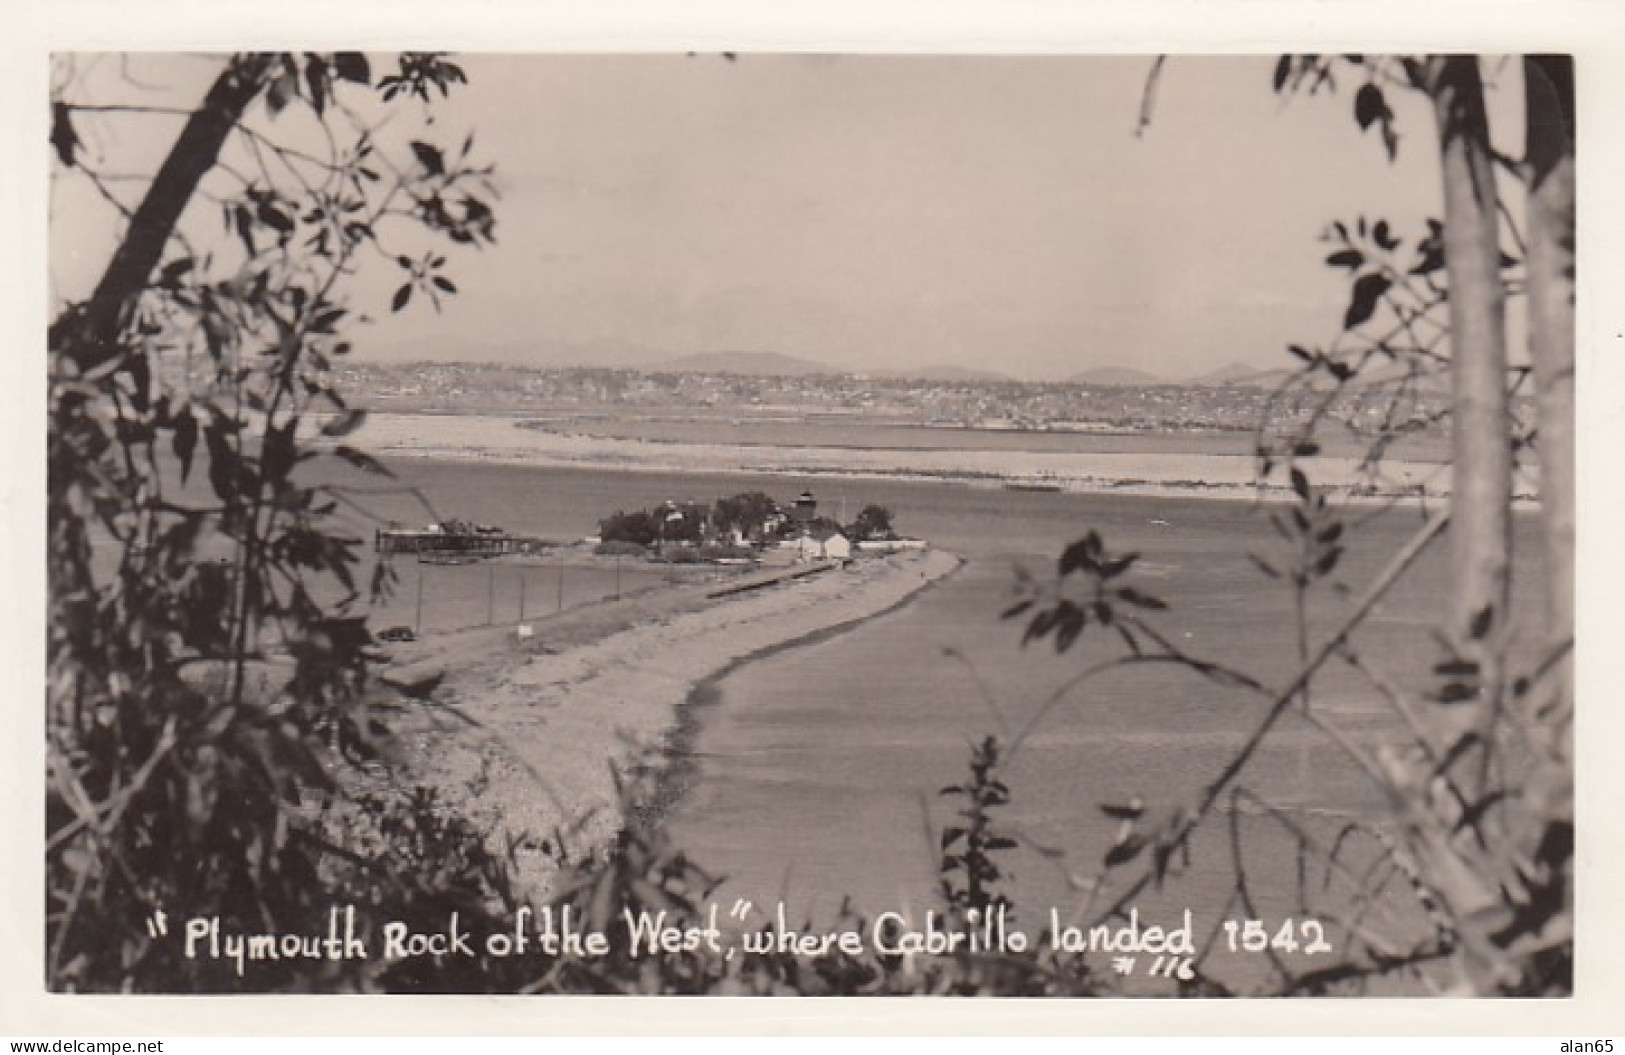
point(454, 546)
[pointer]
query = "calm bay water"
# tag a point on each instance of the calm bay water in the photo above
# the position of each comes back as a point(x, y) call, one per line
point(818, 769)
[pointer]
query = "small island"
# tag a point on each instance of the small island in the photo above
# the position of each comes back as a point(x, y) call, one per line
point(749, 527)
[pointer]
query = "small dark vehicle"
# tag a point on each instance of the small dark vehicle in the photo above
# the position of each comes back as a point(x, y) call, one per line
point(398, 633)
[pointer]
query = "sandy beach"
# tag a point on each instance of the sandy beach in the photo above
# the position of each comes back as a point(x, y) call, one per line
point(496, 439)
point(541, 720)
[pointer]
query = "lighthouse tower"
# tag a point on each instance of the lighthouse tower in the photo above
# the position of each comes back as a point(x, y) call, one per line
point(804, 509)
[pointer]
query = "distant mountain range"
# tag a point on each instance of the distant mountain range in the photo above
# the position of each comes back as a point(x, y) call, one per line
point(1119, 376)
point(938, 372)
point(1240, 374)
point(776, 364)
point(754, 364)
point(1231, 374)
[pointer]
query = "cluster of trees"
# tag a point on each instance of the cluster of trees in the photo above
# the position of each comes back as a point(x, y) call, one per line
point(873, 523)
point(752, 517)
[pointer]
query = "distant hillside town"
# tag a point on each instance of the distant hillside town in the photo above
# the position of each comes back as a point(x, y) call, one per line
point(1233, 400)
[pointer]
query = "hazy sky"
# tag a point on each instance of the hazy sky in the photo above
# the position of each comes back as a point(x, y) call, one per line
point(881, 212)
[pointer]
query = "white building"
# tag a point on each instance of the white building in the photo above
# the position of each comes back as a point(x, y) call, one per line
point(821, 544)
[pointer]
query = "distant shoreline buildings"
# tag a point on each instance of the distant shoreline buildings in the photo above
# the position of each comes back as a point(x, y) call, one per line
point(1060, 406)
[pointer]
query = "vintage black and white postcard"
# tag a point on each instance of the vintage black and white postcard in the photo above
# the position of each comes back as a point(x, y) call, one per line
point(852, 515)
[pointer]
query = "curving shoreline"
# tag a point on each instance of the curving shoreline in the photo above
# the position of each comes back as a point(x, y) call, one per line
point(501, 440)
point(679, 765)
point(622, 686)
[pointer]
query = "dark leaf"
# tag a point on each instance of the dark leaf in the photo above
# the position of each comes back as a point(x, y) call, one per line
point(1125, 851)
point(141, 375)
point(185, 441)
point(1071, 620)
point(277, 451)
point(1456, 667)
point(243, 222)
point(1080, 554)
point(1140, 600)
point(361, 460)
point(273, 217)
point(63, 136)
point(1113, 568)
point(352, 66)
point(429, 157)
point(223, 460)
point(1481, 623)
point(1041, 624)
point(402, 295)
point(1431, 259)
point(282, 89)
point(445, 283)
point(1369, 106)
point(324, 322)
point(1124, 813)
point(1368, 289)
point(345, 423)
point(1016, 609)
point(1283, 69)
point(1380, 235)
point(1300, 484)
point(1349, 258)
point(1264, 566)
point(170, 276)
point(1455, 692)
point(316, 83)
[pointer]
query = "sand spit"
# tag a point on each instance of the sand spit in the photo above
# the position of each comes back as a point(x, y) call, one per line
point(606, 686)
point(506, 440)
